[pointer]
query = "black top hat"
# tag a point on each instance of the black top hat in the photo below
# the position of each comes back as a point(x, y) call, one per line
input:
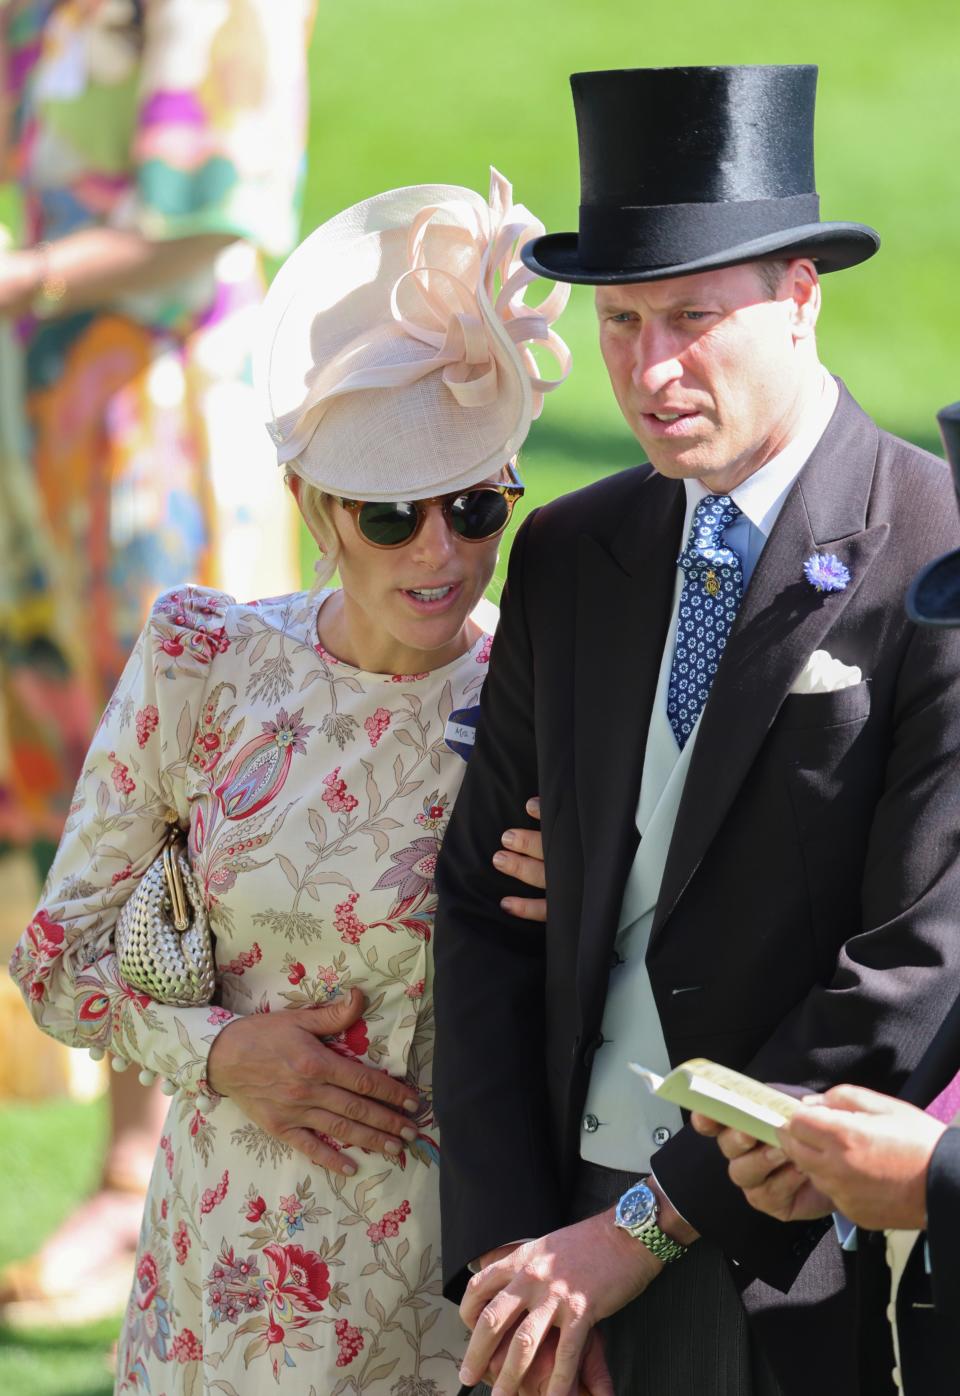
point(934, 595)
point(684, 169)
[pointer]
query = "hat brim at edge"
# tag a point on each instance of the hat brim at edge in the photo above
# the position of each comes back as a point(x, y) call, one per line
point(833, 246)
point(934, 594)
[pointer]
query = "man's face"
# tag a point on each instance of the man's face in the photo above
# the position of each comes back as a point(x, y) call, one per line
point(708, 369)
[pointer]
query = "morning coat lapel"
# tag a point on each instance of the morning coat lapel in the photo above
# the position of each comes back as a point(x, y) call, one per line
point(624, 602)
point(781, 621)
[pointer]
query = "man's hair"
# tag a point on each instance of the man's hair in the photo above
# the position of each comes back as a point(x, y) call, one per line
point(771, 274)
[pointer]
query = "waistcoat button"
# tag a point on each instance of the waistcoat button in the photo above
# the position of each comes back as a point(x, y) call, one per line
point(591, 1124)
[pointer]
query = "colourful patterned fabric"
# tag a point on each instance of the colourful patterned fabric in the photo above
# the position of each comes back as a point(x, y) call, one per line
point(317, 796)
point(170, 117)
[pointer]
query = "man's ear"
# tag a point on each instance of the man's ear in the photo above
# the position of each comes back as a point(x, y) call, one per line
point(803, 291)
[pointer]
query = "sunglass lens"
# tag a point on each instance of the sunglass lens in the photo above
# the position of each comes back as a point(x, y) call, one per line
point(388, 524)
point(479, 513)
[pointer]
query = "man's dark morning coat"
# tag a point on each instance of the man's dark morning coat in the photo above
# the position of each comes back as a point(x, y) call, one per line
point(807, 924)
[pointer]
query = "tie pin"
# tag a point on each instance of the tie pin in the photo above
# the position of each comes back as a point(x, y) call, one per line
point(712, 584)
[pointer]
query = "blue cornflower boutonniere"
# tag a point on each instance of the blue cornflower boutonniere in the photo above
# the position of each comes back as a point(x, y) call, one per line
point(825, 572)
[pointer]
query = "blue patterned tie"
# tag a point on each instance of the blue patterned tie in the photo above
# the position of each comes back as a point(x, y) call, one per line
point(712, 589)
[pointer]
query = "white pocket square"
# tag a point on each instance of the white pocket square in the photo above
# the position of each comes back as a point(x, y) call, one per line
point(824, 674)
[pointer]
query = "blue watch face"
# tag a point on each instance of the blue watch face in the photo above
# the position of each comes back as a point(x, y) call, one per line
point(636, 1206)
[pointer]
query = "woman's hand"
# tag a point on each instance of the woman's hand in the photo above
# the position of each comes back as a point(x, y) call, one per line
point(522, 857)
point(279, 1071)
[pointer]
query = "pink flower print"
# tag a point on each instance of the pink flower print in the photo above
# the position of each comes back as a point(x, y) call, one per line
point(121, 876)
point(172, 646)
point(346, 923)
point(296, 973)
point(376, 726)
point(336, 796)
point(212, 1196)
point(148, 1281)
point(434, 811)
point(43, 945)
point(244, 961)
point(122, 780)
point(414, 991)
point(164, 1209)
point(349, 1341)
point(205, 644)
point(298, 1277)
point(218, 1015)
point(389, 1224)
point(256, 1207)
point(181, 1243)
point(147, 720)
point(290, 1209)
point(167, 1148)
point(408, 678)
point(196, 1122)
point(483, 653)
point(186, 1348)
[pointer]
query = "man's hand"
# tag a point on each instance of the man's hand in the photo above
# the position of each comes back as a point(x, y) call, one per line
point(567, 1280)
point(594, 1378)
point(522, 857)
point(868, 1153)
point(279, 1071)
point(769, 1181)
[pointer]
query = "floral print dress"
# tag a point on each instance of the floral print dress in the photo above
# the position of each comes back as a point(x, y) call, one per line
point(316, 797)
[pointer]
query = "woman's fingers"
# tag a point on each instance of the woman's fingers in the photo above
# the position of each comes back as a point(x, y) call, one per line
point(322, 1155)
point(522, 858)
point(525, 908)
point(364, 1124)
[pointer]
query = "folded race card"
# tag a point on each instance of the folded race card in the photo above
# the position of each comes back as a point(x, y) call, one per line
point(724, 1095)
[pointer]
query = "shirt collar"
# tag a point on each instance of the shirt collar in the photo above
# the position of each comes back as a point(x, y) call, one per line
point(761, 495)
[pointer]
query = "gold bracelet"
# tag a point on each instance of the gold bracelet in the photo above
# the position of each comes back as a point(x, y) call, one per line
point(53, 286)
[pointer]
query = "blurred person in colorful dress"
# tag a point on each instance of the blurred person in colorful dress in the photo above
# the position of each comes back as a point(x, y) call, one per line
point(313, 744)
point(158, 149)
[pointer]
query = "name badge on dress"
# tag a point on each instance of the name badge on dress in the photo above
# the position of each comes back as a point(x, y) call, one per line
point(460, 732)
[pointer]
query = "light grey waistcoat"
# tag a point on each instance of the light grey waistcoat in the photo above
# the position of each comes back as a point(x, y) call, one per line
point(622, 1123)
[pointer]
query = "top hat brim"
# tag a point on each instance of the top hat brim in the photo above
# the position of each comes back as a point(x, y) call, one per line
point(833, 246)
point(934, 594)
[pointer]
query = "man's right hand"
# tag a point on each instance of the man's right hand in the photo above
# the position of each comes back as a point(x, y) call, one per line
point(279, 1071)
point(768, 1179)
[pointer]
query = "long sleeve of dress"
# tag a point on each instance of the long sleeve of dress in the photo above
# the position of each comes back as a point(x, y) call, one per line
point(131, 786)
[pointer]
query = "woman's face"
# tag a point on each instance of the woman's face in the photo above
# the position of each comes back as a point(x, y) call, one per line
point(406, 609)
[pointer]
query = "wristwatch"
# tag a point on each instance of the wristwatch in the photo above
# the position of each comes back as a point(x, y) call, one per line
point(637, 1213)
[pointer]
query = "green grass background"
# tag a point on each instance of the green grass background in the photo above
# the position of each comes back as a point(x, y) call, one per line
point(410, 91)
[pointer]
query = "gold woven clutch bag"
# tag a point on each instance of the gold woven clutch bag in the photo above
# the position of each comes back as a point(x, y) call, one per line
point(163, 940)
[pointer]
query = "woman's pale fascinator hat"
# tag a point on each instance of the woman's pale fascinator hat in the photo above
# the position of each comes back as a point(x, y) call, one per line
point(395, 354)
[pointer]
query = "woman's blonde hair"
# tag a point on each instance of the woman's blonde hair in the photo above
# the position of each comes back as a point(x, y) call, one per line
point(315, 506)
